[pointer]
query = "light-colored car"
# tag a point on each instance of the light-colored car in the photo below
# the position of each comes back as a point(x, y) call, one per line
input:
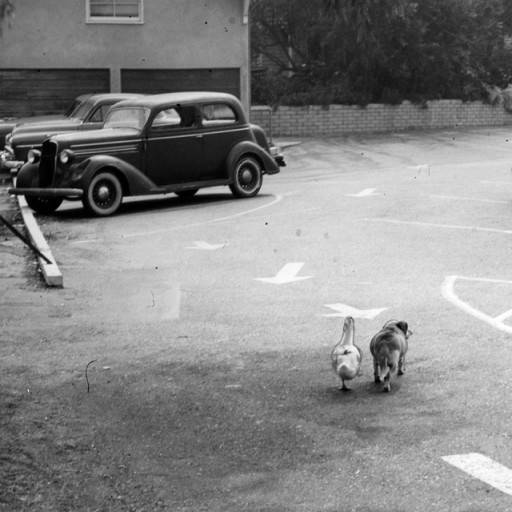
point(8, 124)
point(88, 115)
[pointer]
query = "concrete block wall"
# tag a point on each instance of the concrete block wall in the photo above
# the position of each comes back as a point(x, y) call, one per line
point(315, 120)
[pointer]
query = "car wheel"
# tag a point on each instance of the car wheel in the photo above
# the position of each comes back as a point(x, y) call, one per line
point(44, 205)
point(187, 194)
point(247, 177)
point(103, 195)
point(27, 178)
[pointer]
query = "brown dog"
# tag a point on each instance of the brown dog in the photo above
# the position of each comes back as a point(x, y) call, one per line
point(388, 348)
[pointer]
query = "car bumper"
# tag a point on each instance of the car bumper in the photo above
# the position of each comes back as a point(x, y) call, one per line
point(280, 160)
point(8, 163)
point(46, 192)
point(277, 155)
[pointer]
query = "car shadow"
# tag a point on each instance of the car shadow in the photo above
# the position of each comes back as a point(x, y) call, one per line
point(143, 204)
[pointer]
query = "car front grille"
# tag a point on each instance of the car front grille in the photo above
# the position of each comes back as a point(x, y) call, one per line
point(47, 163)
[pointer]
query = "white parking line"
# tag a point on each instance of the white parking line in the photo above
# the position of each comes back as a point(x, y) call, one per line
point(503, 316)
point(496, 182)
point(448, 292)
point(434, 225)
point(277, 198)
point(463, 198)
point(485, 469)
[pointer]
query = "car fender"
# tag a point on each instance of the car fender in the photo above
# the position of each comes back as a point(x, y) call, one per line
point(268, 164)
point(28, 176)
point(133, 180)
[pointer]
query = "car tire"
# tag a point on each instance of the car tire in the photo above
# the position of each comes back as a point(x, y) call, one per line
point(104, 194)
point(44, 205)
point(187, 194)
point(28, 179)
point(247, 177)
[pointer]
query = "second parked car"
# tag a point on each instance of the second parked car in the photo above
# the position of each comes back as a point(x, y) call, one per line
point(7, 125)
point(89, 115)
point(176, 142)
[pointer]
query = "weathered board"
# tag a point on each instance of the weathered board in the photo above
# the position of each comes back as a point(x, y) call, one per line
point(27, 92)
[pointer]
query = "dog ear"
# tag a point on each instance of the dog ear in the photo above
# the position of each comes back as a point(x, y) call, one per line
point(403, 326)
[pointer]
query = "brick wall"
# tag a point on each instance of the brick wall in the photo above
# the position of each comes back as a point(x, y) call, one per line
point(341, 119)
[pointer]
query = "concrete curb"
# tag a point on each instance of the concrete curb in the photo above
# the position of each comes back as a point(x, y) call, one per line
point(51, 273)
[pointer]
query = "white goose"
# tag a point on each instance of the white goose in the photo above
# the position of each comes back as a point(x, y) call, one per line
point(346, 357)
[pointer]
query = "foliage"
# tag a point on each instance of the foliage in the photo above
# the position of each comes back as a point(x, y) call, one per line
point(6, 12)
point(361, 51)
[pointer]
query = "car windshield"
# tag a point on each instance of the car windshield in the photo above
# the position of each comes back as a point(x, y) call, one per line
point(70, 112)
point(82, 110)
point(129, 117)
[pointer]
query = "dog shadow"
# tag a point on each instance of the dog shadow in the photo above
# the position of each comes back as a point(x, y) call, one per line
point(361, 389)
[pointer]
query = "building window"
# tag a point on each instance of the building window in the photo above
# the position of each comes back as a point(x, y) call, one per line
point(114, 11)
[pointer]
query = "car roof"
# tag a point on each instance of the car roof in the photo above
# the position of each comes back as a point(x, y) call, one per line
point(120, 96)
point(155, 100)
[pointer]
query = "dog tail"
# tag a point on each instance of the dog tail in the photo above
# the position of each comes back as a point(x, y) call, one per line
point(389, 364)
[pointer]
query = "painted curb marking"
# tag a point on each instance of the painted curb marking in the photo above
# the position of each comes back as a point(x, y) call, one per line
point(367, 192)
point(434, 225)
point(345, 310)
point(421, 168)
point(51, 273)
point(448, 292)
point(490, 182)
point(485, 469)
point(205, 246)
point(288, 274)
point(464, 198)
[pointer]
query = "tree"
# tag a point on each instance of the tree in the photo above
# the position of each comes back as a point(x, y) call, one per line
point(324, 41)
point(6, 12)
point(360, 51)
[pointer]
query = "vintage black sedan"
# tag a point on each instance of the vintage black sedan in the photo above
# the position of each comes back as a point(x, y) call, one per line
point(175, 142)
point(89, 115)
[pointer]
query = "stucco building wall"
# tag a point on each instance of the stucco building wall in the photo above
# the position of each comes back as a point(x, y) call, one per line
point(177, 34)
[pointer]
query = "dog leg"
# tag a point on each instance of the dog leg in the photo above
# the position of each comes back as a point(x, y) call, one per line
point(401, 366)
point(376, 372)
point(387, 383)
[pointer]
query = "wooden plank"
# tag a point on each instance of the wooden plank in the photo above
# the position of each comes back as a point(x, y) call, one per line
point(51, 272)
point(26, 92)
point(154, 81)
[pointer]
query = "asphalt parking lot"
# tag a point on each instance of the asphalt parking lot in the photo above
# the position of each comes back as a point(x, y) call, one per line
point(210, 324)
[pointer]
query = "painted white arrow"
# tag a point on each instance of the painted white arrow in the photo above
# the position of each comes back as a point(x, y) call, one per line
point(205, 246)
point(367, 192)
point(288, 274)
point(345, 310)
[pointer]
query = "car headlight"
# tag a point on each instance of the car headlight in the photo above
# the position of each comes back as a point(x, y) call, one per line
point(66, 157)
point(275, 151)
point(33, 156)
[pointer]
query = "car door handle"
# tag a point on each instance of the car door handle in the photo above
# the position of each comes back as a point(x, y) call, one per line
point(199, 136)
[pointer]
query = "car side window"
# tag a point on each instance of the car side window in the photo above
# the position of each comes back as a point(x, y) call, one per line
point(175, 117)
point(99, 114)
point(218, 114)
